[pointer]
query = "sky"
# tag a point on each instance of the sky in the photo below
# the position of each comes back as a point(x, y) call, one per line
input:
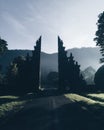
point(23, 21)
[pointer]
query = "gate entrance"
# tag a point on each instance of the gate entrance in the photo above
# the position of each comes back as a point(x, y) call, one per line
point(68, 77)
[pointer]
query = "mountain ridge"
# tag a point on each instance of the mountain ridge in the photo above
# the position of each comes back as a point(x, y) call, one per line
point(49, 62)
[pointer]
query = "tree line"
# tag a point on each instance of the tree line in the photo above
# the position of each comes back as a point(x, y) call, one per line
point(21, 77)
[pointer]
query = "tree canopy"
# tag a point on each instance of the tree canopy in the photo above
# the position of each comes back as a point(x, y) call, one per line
point(100, 35)
point(3, 46)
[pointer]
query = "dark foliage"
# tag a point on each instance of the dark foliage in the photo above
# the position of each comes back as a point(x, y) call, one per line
point(23, 73)
point(100, 35)
point(99, 78)
point(70, 77)
point(3, 46)
point(52, 79)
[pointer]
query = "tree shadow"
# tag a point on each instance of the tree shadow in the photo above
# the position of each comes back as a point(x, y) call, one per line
point(95, 98)
point(4, 100)
point(57, 113)
point(81, 116)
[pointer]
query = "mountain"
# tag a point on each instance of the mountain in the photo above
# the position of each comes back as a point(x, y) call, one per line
point(87, 57)
point(49, 62)
point(89, 74)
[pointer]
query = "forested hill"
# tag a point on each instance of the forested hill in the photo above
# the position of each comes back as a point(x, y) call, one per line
point(49, 62)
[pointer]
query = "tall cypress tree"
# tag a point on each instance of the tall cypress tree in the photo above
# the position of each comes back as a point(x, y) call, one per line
point(70, 78)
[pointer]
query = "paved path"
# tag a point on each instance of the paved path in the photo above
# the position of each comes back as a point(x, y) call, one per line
point(53, 113)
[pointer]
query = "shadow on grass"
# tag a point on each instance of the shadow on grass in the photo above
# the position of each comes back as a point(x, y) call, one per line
point(81, 116)
point(32, 119)
point(96, 98)
point(57, 113)
point(6, 100)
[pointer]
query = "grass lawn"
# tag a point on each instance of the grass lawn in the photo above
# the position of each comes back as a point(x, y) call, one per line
point(10, 105)
point(68, 111)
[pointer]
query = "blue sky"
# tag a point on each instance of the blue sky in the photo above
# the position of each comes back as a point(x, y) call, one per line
point(23, 21)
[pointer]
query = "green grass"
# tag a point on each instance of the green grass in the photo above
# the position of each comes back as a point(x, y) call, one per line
point(9, 97)
point(87, 100)
point(72, 111)
point(97, 96)
point(10, 104)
